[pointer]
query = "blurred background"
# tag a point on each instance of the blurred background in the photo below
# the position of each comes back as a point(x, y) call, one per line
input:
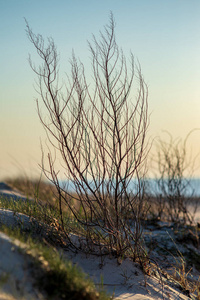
point(163, 35)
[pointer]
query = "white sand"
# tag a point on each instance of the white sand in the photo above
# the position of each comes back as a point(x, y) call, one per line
point(15, 277)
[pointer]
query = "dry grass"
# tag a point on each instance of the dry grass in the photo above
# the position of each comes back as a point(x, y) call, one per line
point(36, 189)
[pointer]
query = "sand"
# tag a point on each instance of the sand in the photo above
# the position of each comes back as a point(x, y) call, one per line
point(124, 281)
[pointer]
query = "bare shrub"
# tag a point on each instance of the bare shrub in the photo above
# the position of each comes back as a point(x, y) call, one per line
point(100, 133)
point(175, 194)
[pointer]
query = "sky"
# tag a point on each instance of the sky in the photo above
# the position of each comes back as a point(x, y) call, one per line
point(163, 35)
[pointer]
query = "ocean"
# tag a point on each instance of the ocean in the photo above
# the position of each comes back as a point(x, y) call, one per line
point(190, 187)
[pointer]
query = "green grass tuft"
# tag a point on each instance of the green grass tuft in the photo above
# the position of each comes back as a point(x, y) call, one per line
point(54, 276)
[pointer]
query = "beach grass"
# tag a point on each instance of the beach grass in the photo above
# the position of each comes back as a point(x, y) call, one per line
point(44, 209)
point(54, 276)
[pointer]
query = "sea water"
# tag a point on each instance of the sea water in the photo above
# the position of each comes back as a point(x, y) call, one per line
point(189, 187)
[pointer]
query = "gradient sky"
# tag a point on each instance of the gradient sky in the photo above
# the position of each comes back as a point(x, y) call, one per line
point(163, 35)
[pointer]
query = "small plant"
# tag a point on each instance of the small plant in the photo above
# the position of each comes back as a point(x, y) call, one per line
point(99, 132)
point(37, 220)
point(125, 276)
point(182, 275)
point(174, 192)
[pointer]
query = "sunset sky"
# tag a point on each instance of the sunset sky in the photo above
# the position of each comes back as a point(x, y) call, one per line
point(163, 35)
